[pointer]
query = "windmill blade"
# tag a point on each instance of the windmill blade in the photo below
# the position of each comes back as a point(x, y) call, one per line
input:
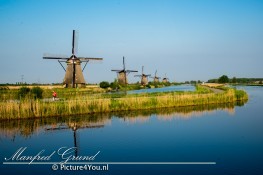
point(137, 75)
point(147, 75)
point(123, 60)
point(63, 127)
point(89, 58)
point(73, 42)
point(128, 71)
point(54, 56)
point(57, 128)
point(76, 42)
point(142, 69)
point(116, 70)
point(91, 126)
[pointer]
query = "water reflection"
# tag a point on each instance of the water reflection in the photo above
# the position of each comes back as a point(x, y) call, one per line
point(25, 128)
point(74, 126)
point(177, 113)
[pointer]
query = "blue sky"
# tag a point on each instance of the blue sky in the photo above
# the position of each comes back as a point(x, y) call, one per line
point(187, 40)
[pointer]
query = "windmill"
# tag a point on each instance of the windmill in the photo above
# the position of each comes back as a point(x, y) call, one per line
point(144, 77)
point(74, 73)
point(122, 74)
point(165, 79)
point(155, 78)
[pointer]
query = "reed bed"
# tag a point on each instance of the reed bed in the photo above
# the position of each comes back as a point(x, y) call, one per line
point(30, 108)
point(25, 128)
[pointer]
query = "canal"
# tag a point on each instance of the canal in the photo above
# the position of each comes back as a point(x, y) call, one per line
point(212, 139)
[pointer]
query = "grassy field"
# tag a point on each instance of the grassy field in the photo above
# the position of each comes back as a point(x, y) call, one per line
point(213, 85)
point(81, 101)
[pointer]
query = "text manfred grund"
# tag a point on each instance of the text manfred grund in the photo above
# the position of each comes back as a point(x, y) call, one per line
point(66, 155)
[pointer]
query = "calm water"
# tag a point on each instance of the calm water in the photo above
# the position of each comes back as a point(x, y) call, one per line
point(165, 89)
point(229, 135)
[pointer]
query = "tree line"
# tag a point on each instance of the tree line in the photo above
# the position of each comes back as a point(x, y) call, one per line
point(226, 79)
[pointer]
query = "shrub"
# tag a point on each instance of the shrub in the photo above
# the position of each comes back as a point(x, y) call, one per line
point(148, 86)
point(104, 84)
point(23, 91)
point(37, 92)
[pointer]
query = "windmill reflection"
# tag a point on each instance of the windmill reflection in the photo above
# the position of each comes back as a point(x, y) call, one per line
point(74, 127)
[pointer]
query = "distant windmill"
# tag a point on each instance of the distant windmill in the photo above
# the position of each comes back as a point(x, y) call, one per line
point(165, 79)
point(74, 76)
point(155, 78)
point(144, 78)
point(122, 74)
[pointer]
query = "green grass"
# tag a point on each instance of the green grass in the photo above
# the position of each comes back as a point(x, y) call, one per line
point(81, 102)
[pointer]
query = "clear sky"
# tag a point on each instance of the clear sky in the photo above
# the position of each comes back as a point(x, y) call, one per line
point(187, 39)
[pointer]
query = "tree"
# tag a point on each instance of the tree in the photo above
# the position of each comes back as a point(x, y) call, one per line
point(115, 85)
point(223, 79)
point(212, 81)
point(104, 84)
point(193, 82)
point(234, 80)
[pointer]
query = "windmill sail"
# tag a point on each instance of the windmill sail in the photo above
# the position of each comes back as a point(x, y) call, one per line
point(75, 40)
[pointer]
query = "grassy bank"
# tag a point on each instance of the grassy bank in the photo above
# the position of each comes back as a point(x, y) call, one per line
point(86, 104)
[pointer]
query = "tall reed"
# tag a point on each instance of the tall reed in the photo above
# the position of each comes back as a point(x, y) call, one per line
point(29, 108)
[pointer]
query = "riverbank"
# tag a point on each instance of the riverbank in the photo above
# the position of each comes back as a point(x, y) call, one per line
point(35, 108)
